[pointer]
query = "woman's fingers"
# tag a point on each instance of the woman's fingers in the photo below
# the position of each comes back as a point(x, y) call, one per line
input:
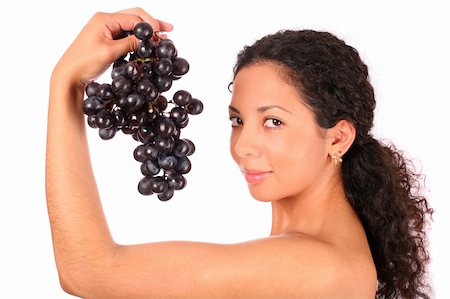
point(124, 45)
point(164, 26)
point(98, 44)
point(157, 25)
point(126, 20)
point(118, 22)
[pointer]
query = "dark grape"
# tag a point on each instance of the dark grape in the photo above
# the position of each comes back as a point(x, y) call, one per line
point(147, 69)
point(176, 134)
point(165, 49)
point(118, 71)
point(161, 103)
point(152, 115)
point(180, 66)
point(104, 119)
point(176, 181)
point(145, 152)
point(143, 31)
point(182, 98)
point(151, 152)
point(133, 70)
point(119, 116)
point(138, 119)
point(121, 86)
point(195, 107)
point(146, 88)
point(147, 133)
point(163, 67)
point(182, 148)
point(91, 120)
point(144, 185)
point(105, 92)
point(191, 146)
point(91, 88)
point(135, 136)
point(164, 145)
point(92, 105)
point(139, 153)
point(107, 133)
point(135, 104)
point(150, 168)
point(165, 128)
point(122, 102)
point(178, 115)
point(184, 123)
point(183, 165)
point(146, 49)
point(158, 185)
point(163, 83)
point(129, 130)
point(166, 195)
point(167, 162)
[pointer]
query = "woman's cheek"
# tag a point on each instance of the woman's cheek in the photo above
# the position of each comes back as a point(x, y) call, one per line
point(234, 137)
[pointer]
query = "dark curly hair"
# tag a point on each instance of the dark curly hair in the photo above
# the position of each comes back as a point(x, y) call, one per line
point(379, 182)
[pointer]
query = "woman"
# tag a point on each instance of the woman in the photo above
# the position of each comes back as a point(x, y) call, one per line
point(346, 222)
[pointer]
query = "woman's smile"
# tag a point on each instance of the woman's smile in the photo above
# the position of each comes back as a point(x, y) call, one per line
point(255, 176)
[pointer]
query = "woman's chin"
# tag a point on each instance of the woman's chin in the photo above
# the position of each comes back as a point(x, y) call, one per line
point(261, 195)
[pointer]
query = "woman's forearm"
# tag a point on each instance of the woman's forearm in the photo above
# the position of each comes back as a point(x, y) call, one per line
point(81, 237)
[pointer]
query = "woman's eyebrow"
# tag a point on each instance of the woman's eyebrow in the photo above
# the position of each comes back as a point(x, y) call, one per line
point(260, 109)
point(234, 109)
point(265, 108)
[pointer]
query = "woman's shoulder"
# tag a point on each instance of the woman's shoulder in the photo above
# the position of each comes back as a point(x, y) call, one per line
point(309, 265)
point(343, 266)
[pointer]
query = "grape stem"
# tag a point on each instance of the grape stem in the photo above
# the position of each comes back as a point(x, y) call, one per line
point(142, 60)
point(156, 33)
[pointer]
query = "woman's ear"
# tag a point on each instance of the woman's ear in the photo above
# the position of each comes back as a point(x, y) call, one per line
point(341, 137)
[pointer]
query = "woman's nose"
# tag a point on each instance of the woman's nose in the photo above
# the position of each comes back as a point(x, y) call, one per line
point(248, 142)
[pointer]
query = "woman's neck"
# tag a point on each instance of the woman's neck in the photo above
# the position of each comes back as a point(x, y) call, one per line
point(309, 212)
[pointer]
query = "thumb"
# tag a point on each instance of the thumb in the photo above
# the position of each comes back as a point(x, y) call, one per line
point(124, 45)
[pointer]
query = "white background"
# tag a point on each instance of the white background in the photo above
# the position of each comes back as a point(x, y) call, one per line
point(406, 46)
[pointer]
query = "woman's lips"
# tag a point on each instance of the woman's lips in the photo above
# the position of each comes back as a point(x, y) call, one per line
point(255, 176)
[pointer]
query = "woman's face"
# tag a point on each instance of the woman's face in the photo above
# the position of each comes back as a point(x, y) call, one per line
point(275, 140)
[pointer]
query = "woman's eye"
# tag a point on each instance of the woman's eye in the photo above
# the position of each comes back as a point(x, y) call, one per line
point(235, 121)
point(272, 123)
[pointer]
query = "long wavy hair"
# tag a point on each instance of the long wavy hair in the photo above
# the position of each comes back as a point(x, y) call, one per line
point(379, 182)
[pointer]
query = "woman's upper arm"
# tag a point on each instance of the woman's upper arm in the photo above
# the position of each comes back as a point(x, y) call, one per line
point(265, 268)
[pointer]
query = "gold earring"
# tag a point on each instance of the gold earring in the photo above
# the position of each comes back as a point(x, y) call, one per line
point(336, 159)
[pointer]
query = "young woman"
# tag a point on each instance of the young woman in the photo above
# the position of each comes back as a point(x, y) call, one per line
point(346, 221)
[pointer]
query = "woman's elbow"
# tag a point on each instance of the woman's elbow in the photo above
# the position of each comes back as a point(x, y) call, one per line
point(69, 283)
point(77, 282)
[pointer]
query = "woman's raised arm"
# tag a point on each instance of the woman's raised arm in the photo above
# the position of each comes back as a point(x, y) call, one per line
point(92, 265)
point(79, 229)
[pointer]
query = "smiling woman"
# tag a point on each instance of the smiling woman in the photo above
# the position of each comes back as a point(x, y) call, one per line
point(319, 166)
point(344, 214)
point(276, 135)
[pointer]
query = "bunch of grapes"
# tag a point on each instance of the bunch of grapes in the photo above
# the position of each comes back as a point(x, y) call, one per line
point(134, 103)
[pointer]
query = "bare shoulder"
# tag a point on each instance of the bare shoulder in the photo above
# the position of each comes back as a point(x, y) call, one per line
point(273, 267)
point(300, 266)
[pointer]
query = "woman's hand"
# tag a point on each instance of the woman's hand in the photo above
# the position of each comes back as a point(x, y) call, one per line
point(95, 48)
